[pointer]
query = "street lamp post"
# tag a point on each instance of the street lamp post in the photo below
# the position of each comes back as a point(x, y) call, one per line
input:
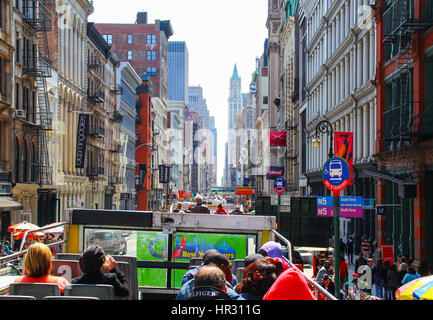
point(325, 126)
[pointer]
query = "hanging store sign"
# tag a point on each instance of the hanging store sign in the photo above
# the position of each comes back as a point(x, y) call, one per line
point(82, 133)
point(274, 172)
point(277, 138)
point(343, 146)
point(244, 191)
point(164, 174)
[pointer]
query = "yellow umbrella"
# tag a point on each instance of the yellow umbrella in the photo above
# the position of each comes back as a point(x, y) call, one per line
point(406, 292)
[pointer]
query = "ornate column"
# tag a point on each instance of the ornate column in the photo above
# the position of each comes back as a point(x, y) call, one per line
point(372, 128)
point(365, 71)
point(366, 131)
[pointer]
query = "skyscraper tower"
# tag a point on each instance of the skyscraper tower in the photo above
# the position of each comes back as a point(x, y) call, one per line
point(235, 98)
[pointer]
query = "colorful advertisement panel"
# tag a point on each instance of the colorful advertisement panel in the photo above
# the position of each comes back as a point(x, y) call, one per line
point(152, 246)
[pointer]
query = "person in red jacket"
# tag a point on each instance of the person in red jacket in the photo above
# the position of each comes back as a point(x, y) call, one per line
point(290, 285)
point(220, 209)
point(344, 273)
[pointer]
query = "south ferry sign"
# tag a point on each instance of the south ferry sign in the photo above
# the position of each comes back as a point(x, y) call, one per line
point(336, 175)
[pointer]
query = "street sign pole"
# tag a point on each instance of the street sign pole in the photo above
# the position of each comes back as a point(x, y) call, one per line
point(337, 243)
point(279, 187)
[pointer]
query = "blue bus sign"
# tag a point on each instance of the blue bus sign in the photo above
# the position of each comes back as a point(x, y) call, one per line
point(279, 185)
point(336, 174)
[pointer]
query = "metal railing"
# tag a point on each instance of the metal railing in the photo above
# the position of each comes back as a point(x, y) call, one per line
point(21, 252)
point(316, 286)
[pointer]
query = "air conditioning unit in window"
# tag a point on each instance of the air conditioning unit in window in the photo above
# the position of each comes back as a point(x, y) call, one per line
point(20, 114)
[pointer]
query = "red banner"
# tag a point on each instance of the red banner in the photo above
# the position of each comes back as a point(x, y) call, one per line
point(388, 254)
point(244, 191)
point(343, 146)
point(277, 138)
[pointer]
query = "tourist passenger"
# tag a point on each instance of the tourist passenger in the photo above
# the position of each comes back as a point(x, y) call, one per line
point(222, 262)
point(209, 284)
point(199, 207)
point(237, 210)
point(258, 278)
point(290, 285)
point(37, 267)
point(178, 208)
point(220, 209)
point(99, 268)
point(190, 207)
point(274, 250)
point(191, 273)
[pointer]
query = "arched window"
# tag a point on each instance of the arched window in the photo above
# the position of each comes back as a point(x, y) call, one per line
point(25, 162)
point(17, 161)
point(33, 163)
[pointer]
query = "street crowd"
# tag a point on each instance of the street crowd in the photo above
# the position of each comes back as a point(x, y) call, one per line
point(373, 278)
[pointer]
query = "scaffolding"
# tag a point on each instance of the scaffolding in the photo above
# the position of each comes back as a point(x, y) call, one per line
point(401, 122)
point(38, 17)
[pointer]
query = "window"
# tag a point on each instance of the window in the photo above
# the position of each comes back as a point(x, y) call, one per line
point(151, 39)
point(25, 162)
point(108, 38)
point(151, 55)
point(33, 163)
point(129, 54)
point(151, 71)
point(17, 161)
point(129, 38)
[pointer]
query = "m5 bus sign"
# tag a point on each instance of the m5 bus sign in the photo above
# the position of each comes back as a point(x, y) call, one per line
point(350, 207)
point(336, 175)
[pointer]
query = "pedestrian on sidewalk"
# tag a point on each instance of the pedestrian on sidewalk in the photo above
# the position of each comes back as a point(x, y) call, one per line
point(366, 248)
point(342, 247)
point(360, 261)
point(392, 281)
point(410, 275)
point(350, 250)
point(344, 273)
point(379, 275)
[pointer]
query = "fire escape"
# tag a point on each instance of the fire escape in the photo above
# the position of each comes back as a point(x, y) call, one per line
point(38, 16)
point(401, 122)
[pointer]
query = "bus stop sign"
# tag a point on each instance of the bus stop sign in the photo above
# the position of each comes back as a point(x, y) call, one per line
point(279, 185)
point(336, 174)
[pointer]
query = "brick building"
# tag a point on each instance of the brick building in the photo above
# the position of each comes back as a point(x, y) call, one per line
point(144, 46)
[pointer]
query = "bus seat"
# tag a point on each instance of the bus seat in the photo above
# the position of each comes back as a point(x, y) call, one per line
point(132, 275)
point(195, 262)
point(16, 297)
point(237, 263)
point(37, 290)
point(70, 298)
point(101, 291)
point(67, 256)
point(240, 274)
point(67, 269)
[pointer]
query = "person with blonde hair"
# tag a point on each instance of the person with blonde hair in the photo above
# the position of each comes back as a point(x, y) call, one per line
point(37, 267)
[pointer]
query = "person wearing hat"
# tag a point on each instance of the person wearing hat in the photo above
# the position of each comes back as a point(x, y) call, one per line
point(323, 270)
point(99, 268)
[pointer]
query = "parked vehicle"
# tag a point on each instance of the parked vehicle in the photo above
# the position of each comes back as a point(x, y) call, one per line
point(113, 242)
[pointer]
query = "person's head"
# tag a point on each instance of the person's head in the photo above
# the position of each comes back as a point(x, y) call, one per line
point(411, 270)
point(370, 262)
point(210, 276)
point(221, 261)
point(326, 263)
point(198, 199)
point(237, 207)
point(403, 267)
point(361, 255)
point(220, 205)
point(259, 276)
point(386, 264)
point(92, 259)
point(271, 249)
point(341, 258)
point(251, 258)
point(191, 205)
point(37, 262)
point(179, 206)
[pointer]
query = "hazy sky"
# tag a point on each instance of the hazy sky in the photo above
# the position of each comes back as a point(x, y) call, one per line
point(218, 34)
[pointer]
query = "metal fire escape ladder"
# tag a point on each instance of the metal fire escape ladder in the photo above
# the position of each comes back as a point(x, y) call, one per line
point(38, 16)
point(400, 26)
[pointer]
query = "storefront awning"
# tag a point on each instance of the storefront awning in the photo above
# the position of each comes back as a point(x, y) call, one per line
point(8, 203)
point(388, 176)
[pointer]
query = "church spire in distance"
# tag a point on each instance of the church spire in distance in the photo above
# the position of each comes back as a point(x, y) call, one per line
point(235, 73)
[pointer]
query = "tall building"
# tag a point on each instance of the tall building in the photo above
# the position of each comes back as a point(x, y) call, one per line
point(178, 71)
point(404, 127)
point(144, 46)
point(235, 100)
point(197, 103)
point(127, 80)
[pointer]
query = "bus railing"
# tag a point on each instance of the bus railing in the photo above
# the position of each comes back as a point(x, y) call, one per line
point(316, 286)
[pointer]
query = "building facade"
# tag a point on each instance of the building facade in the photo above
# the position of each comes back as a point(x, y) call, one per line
point(178, 71)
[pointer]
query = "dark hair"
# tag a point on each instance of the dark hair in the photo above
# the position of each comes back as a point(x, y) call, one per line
point(215, 258)
point(220, 205)
point(92, 259)
point(259, 276)
point(411, 270)
point(210, 276)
